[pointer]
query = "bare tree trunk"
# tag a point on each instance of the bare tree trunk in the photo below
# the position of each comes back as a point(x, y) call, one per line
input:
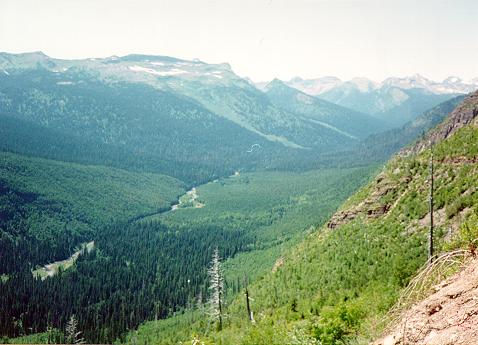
point(220, 311)
point(430, 234)
point(248, 306)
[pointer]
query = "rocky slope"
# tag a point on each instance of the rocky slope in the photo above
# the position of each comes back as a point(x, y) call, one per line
point(449, 314)
point(383, 194)
point(463, 115)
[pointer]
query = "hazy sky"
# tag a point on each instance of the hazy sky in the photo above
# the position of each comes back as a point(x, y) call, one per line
point(261, 39)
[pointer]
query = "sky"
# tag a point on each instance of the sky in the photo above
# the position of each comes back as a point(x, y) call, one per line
point(261, 39)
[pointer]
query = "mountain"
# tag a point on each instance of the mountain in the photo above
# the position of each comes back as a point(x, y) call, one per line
point(151, 113)
point(314, 87)
point(449, 85)
point(395, 100)
point(377, 148)
point(214, 87)
point(94, 155)
point(349, 123)
point(338, 285)
point(143, 121)
point(120, 176)
point(391, 141)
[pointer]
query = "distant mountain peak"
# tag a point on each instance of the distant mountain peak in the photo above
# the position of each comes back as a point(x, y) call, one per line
point(314, 86)
point(452, 79)
point(364, 84)
point(451, 85)
point(275, 83)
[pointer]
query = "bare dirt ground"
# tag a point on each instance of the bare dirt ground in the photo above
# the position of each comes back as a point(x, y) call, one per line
point(448, 316)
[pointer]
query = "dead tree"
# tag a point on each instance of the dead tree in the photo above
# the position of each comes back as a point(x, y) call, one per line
point(430, 233)
point(72, 333)
point(248, 306)
point(216, 285)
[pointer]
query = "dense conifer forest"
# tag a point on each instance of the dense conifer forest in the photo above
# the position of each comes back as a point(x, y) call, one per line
point(120, 177)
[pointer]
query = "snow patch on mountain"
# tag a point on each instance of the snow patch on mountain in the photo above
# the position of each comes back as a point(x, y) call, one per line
point(171, 72)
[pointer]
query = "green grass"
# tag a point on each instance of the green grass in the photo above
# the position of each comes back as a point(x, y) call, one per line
point(52, 336)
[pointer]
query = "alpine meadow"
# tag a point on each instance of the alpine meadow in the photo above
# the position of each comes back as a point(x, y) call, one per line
point(153, 194)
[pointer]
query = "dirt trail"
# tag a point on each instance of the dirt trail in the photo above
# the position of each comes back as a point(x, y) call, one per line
point(448, 316)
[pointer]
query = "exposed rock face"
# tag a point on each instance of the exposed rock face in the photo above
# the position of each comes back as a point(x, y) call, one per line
point(463, 115)
point(378, 203)
point(371, 207)
point(449, 316)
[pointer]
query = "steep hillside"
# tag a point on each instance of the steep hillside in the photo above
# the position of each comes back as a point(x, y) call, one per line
point(339, 282)
point(351, 124)
point(464, 114)
point(148, 128)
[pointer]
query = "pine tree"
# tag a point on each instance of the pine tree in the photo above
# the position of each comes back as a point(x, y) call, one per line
point(216, 285)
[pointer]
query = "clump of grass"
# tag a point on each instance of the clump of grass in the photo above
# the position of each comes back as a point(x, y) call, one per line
point(424, 283)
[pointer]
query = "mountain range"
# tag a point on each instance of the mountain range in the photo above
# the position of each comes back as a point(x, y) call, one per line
point(120, 176)
point(154, 112)
point(395, 100)
point(214, 88)
point(451, 84)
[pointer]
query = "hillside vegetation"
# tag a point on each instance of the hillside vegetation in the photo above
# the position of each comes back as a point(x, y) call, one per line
point(137, 270)
point(337, 284)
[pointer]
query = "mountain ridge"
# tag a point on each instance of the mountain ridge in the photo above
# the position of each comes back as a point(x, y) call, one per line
point(451, 84)
point(348, 122)
point(394, 100)
point(214, 87)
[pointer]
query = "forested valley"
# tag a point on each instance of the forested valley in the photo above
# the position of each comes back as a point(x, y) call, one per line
point(120, 179)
